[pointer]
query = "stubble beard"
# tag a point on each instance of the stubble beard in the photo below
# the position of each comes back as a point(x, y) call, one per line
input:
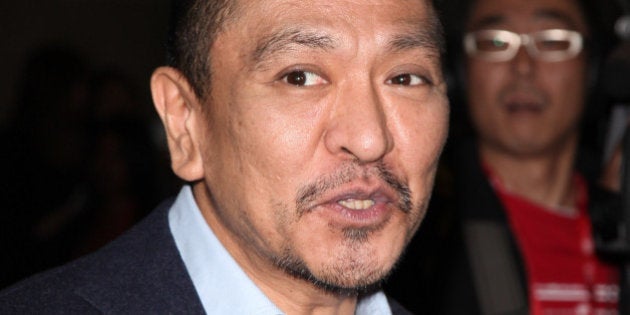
point(344, 276)
point(352, 271)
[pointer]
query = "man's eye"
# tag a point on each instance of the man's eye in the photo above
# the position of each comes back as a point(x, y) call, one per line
point(302, 78)
point(407, 80)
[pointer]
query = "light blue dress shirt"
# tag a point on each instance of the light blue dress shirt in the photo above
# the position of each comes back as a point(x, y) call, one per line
point(222, 285)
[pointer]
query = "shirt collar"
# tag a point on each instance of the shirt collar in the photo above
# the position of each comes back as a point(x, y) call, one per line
point(219, 281)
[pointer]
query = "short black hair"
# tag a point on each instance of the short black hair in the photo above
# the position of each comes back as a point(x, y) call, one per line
point(193, 29)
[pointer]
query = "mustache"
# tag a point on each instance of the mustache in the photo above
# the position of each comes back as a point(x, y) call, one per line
point(523, 87)
point(348, 173)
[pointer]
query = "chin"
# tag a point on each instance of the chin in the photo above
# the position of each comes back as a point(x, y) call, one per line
point(354, 268)
point(351, 280)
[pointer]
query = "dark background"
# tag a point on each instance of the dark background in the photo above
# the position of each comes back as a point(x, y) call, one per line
point(83, 154)
point(125, 34)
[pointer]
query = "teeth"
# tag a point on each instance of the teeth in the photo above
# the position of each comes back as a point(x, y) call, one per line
point(355, 204)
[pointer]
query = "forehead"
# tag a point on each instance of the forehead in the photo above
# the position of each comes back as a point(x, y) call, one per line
point(331, 8)
point(524, 14)
point(255, 18)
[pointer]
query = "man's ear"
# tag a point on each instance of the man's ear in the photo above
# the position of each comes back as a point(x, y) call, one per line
point(178, 108)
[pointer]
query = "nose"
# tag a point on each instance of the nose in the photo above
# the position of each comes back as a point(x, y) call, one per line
point(522, 63)
point(358, 126)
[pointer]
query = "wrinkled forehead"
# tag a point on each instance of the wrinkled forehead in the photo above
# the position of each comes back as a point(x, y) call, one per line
point(523, 15)
point(374, 16)
point(260, 30)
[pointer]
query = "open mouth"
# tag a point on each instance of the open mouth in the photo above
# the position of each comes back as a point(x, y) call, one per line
point(356, 199)
point(358, 207)
point(357, 204)
point(524, 107)
point(528, 101)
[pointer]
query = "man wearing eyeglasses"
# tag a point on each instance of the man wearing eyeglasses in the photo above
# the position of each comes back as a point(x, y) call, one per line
point(524, 240)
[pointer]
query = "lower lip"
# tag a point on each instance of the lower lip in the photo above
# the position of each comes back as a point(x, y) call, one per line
point(527, 108)
point(376, 214)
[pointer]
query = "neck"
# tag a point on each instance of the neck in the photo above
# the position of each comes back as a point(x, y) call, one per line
point(300, 297)
point(293, 295)
point(545, 178)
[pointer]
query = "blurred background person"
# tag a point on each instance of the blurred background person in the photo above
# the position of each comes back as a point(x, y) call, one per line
point(510, 229)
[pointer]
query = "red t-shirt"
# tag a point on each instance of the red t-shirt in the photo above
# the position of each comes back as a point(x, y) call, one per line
point(564, 275)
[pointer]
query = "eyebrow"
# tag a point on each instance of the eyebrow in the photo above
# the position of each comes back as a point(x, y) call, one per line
point(289, 38)
point(556, 15)
point(552, 14)
point(417, 34)
point(427, 35)
point(487, 21)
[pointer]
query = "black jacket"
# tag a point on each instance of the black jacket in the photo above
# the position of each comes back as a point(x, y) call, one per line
point(139, 273)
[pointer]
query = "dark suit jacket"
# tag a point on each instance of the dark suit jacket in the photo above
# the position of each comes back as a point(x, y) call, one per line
point(139, 273)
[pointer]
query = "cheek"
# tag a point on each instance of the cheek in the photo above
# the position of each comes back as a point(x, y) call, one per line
point(266, 151)
point(482, 81)
point(482, 88)
point(567, 83)
point(279, 128)
point(422, 132)
point(566, 86)
point(277, 146)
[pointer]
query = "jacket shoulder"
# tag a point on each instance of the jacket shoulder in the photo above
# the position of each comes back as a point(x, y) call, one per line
point(140, 272)
point(49, 292)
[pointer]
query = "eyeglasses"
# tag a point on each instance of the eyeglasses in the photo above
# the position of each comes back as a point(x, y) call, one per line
point(499, 45)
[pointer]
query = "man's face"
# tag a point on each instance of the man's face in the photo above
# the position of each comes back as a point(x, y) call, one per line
point(526, 105)
point(321, 136)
